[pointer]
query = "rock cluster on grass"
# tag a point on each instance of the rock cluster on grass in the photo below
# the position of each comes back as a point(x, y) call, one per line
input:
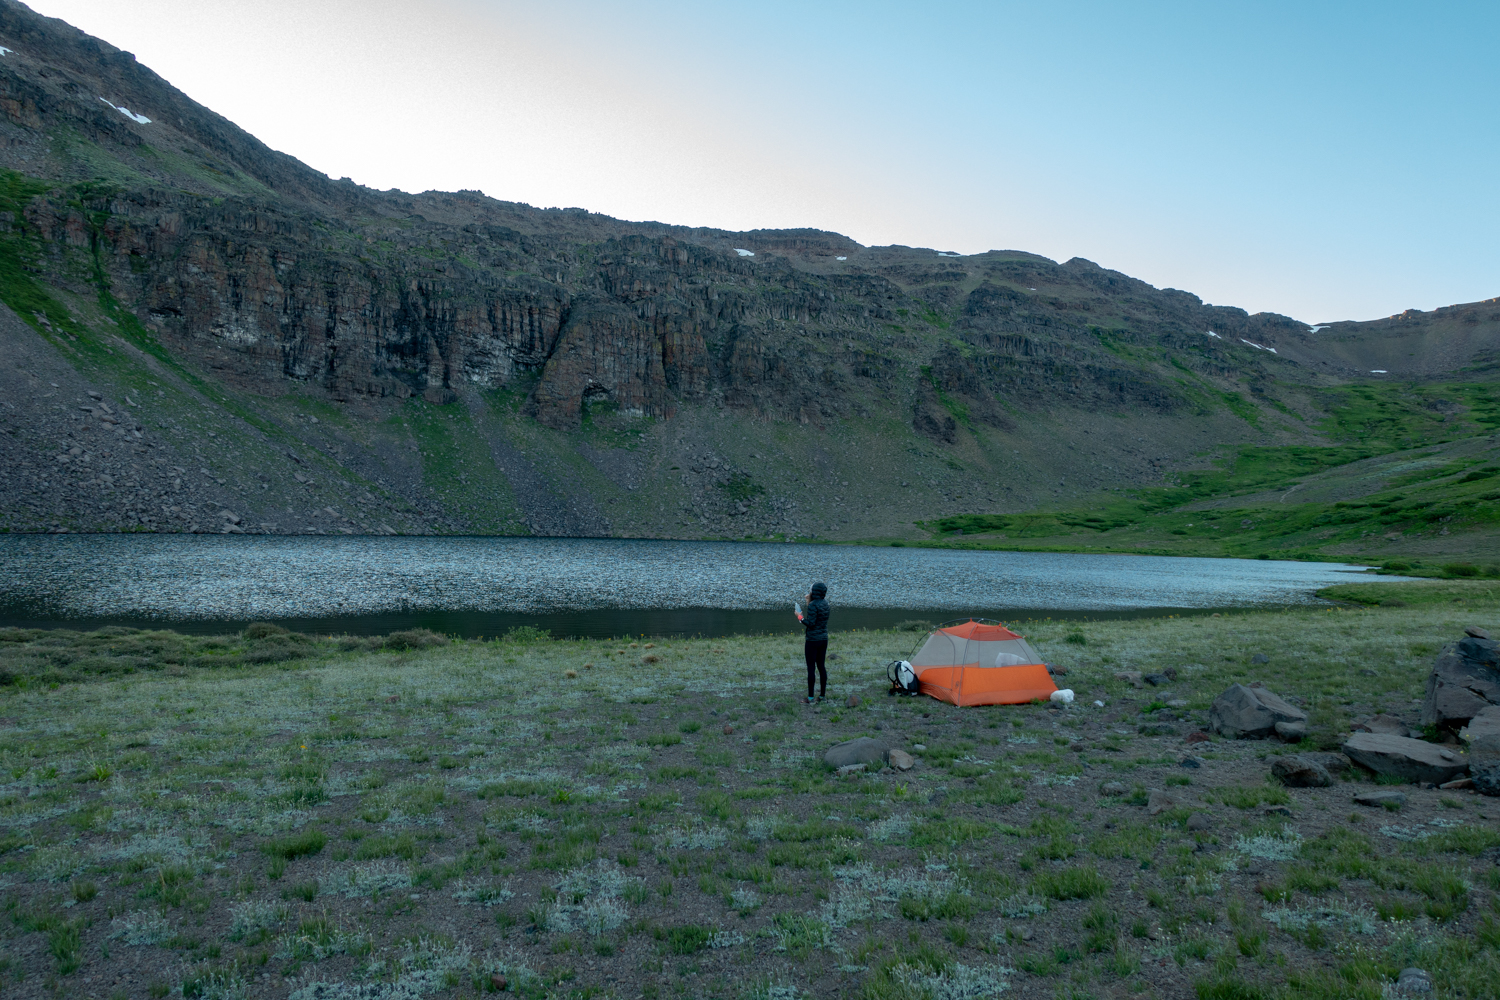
point(1255, 712)
point(1464, 681)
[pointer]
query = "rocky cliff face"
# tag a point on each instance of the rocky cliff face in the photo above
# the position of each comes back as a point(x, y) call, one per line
point(130, 211)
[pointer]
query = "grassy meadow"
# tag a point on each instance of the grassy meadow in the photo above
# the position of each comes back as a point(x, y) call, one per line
point(269, 815)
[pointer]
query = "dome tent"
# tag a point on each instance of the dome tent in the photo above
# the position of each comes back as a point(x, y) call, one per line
point(980, 662)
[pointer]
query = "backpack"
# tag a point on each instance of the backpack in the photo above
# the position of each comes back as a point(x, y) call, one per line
point(902, 677)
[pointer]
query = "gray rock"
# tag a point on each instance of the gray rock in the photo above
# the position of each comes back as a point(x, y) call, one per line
point(1386, 725)
point(1156, 680)
point(1298, 771)
point(1334, 763)
point(1487, 722)
point(1484, 764)
point(900, 760)
point(1250, 712)
point(1464, 679)
point(1131, 677)
point(1112, 788)
point(858, 751)
point(1395, 799)
point(1404, 757)
point(1414, 981)
point(1291, 732)
point(1158, 802)
point(1200, 821)
point(1260, 658)
point(1475, 632)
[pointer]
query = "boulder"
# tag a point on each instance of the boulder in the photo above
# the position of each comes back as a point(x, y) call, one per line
point(1484, 764)
point(1198, 822)
point(1334, 763)
point(1156, 680)
point(859, 751)
point(1291, 732)
point(1404, 757)
point(1158, 802)
point(1464, 679)
point(1112, 788)
point(1475, 632)
point(1414, 981)
point(900, 760)
point(1260, 658)
point(1298, 771)
point(1250, 712)
point(1393, 799)
point(1486, 723)
point(1386, 725)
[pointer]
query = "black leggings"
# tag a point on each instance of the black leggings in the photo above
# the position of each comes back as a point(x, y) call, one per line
point(816, 652)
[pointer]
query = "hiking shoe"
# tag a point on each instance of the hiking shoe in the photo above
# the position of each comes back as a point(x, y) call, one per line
point(809, 699)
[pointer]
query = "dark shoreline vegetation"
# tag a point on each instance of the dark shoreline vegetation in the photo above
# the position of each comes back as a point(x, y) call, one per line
point(269, 815)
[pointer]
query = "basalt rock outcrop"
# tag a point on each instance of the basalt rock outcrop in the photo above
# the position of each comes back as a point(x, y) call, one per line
point(1465, 679)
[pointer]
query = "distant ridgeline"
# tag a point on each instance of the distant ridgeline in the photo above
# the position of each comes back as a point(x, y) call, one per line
point(210, 336)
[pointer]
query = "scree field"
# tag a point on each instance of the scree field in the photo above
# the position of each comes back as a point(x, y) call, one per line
point(272, 815)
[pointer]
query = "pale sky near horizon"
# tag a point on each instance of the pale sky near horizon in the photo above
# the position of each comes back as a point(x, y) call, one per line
point(1323, 160)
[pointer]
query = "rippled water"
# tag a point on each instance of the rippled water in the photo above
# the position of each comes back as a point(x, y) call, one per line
point(594, 586)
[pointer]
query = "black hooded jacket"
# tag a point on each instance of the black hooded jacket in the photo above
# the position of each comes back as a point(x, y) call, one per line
point(815, 620)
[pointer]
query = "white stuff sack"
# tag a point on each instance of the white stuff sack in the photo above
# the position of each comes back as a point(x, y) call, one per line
point(1063, 696)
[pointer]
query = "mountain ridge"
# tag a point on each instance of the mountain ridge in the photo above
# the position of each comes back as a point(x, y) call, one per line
point(475, 365)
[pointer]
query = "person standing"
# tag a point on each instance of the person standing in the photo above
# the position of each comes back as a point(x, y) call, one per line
point(815, 622)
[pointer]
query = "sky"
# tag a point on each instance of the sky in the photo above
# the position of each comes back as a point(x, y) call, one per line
point(1323, 160)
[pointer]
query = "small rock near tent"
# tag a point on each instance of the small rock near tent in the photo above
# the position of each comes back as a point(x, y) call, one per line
point(980, 662)
point(1251, 713)
point(861, 751)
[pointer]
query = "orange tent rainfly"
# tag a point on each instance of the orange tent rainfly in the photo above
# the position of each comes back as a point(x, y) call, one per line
point(980, 663)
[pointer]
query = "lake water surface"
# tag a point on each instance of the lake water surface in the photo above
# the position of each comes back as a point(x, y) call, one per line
point(484, 586)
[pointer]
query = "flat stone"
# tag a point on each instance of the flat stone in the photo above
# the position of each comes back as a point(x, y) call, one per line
point(900, 760)
point(1131, 677)
point(1297, 771)
point(1156, 680)
point(1387, 725)
point(1475, 632)
point(1178, 703)
point(1192, 762)
point(1057, 670)
point(1291, 732)
point(857, 751)
point(1112, 788)
point(1197, 737)
point(1458, 784)
point(1251, 712)
point(1397, 799)
point(1278, 811)
point(1404, 757)
point(919, 746)
point(1260, 658)
point(1200, 821)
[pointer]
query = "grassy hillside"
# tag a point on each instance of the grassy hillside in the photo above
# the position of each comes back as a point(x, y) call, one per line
point(254, 815)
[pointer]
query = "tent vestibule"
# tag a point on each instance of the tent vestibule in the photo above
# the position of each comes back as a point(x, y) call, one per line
point(977, 663)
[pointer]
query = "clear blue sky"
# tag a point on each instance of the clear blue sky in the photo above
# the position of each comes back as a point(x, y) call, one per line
point(1324, 160)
